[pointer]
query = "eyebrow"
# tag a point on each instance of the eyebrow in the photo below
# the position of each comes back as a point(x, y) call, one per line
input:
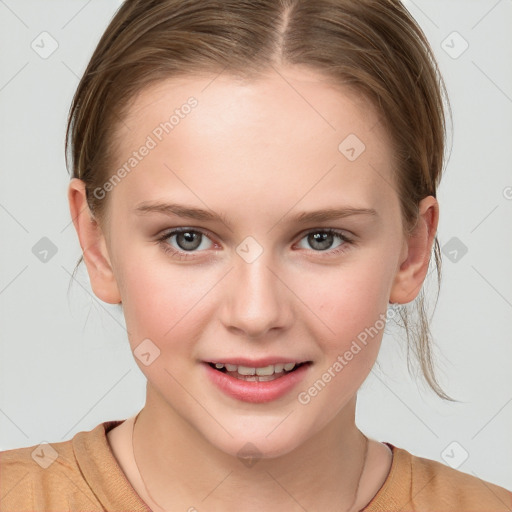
point(190, 212)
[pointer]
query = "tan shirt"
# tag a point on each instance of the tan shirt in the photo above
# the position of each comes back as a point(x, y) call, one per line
point(82, 474)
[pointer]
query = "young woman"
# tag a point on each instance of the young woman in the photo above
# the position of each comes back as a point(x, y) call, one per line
point(255, 183)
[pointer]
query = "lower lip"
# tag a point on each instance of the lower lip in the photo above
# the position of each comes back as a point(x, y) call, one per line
point(254, 391)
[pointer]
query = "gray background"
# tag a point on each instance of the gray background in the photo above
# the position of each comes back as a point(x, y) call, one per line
point(65, 365)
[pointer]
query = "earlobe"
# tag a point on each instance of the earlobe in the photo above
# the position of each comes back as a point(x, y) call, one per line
point(92, 241)
point(415, 257)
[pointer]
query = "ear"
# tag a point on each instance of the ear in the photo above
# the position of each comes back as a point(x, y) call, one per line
point(93, 244)
point(416, 253)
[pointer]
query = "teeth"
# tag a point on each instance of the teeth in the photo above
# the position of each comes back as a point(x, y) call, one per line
point(245, 370)
point(265, 371)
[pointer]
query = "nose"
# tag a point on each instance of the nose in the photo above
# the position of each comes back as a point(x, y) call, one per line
point(257, 300)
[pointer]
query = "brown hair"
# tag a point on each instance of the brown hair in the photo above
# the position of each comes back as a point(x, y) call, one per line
point(375, 47)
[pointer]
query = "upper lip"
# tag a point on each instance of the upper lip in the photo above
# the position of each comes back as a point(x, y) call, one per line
point(256, 363)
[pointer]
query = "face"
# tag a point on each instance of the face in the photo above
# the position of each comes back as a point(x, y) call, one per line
point(256, 278)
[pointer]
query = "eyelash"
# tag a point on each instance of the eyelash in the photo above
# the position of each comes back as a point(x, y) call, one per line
point(183, 255)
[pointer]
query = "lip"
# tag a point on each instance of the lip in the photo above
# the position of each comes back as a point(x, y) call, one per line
point(256, 363)
point(254, 391)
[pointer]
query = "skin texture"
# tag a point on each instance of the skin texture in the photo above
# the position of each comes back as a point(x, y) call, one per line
point(258, 152)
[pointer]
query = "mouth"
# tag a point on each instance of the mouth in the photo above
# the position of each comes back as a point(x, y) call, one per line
point(261, 374)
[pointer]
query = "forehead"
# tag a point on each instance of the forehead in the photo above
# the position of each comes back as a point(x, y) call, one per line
point(285, 95)
point(289, 131)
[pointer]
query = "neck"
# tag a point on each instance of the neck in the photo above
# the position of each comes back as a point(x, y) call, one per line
point(180, 468)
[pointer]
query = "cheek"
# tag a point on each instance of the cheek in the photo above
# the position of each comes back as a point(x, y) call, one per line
point(161, 302)
point(163, 305)
point(350, 309)
point(349, 302)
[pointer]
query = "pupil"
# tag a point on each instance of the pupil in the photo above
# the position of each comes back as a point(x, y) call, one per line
point(321, 238)
point(186, 240)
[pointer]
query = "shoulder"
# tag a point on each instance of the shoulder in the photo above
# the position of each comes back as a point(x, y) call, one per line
point(419, 484)
point(46, 476)
point(457, 488)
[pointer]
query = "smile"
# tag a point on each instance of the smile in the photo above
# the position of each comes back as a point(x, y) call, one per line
point(256, 384)
point(262, 374)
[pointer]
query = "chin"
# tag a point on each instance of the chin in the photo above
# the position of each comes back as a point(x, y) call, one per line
point(258, 444)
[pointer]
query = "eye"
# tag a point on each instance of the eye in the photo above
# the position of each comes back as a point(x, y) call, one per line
point(321, 240)
point(186, 239)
